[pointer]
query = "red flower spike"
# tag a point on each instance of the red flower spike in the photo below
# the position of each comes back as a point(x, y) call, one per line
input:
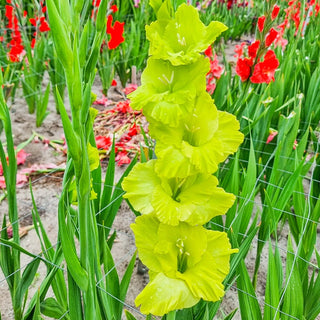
point(21, 157)
point(243, 68)
point(44, 26)
point(115, 32)
point(33, 43)
point(114, 83)
point(33, 21)
point(109, 23)
point(103, 142)
point(271, 37)
point(124, 107)
point(114, 8)
point(130, 88)
point(272, 134)
point(239, 50)
point(264, 71)
point(208, 52)
point(9, 12)
point(44, 9)
point(134, 130)
point(211, 86)
point(275, 11)
point(261, 21)
point(122, 158)
point(25, 13)
point(253, 49)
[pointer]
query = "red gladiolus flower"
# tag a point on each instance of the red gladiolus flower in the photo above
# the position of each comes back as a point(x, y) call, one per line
point(130, 88)
point(114, 83)
point(33, 43)
point(211, 86)
point(22, 156)
point(253, 49)
point(114, 8)
point(122, 158)
point(115, 32)
point(44, 9)
point(103, 142)
point(264, 71)
point(134, 130)
point(208, 52)
point(272, 35)
point(25, 13)
point(239, 50)
point(215, 69)
point(33, 21)
point(261, 21)
point(243, 68)
point(43, 25)
point(9, 12)
point(272, 134)
point(96, 3)
point(275, 12)
point(123, 107)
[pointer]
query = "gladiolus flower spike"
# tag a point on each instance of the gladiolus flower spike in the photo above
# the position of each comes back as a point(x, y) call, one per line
point(178, 193)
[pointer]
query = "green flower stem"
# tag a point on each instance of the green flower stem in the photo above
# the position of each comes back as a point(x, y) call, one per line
point(10, 172)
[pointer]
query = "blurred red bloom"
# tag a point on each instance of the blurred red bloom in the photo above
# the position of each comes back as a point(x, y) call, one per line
point(96, 3)
point(243, 68)
point(208, 52)
point(272, 134)
point(115, 32)
point(122, 158)
point(134, 130)
point(275, 12)
point(130, 88)
point(44, 25)
point(263, 72)
point(114, 83)
point(21, 157)
point(211, 86)
point(239, 50)
point(253, 49)
point(124, 107)
point(261, 21)
point(114, 8)
point(103, 142)
point(272, 35)
point(215, 69)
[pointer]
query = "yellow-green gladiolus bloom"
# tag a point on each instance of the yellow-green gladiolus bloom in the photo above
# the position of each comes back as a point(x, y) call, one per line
point(186, 263)
point(206, 139)
point(179, 41)
point(195, 199)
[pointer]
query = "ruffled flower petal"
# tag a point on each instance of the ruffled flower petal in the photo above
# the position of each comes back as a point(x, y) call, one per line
point(202, 148)
point(205, 278)
point(162, 82)
point(180, 41)
point(139, 186)
point(195, 199)
point(163, 295)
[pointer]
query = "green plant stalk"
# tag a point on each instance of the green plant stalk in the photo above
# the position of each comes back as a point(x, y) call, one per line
point(10, 171)
point(77, 134)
